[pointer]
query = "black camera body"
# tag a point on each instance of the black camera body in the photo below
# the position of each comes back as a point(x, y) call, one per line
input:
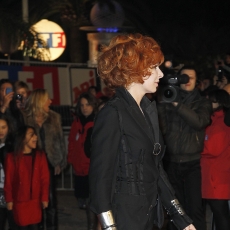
point(19, 97)
point(169, 87)
point(220, 73)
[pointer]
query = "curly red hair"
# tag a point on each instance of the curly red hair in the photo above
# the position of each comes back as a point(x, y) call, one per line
point(127, 59)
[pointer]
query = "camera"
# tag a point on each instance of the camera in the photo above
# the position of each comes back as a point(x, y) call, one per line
point(19, 97)
point(220, 73)
point(169, 87)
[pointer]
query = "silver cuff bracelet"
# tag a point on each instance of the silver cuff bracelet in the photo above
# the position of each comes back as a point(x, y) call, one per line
point(177, 206)
point(111, 228)
point(106, 220)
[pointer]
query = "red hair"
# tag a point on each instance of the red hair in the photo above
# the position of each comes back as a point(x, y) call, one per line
point(127, 59)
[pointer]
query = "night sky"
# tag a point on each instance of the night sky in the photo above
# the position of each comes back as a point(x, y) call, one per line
point(186, 29)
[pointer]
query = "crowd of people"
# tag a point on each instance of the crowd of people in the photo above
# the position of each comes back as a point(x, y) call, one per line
point(131, 155)
point(32, 152)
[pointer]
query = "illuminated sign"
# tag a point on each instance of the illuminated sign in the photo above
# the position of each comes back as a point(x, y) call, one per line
point(54, 37)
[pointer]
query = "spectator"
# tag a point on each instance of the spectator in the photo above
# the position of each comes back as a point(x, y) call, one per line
point(26, 180)
point(8, 105)
point(225, 64)
point(79, 152)
point(215, 161)
point(183, 125)
point(21, 90)
point(6, 93)
point(5, 146)
point(47, 124)
point(95, 92)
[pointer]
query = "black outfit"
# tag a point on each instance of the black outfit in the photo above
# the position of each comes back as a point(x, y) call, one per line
point(220, 209)
point(183, 127)
point(82, 187)
point(81, 183)
point(125, 175)
point(29, 227)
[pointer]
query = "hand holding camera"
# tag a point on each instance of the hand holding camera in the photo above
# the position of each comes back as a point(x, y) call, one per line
point(169, 89)
point(7, 98)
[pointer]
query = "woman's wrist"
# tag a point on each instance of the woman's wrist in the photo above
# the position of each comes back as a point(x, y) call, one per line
point(3, 108)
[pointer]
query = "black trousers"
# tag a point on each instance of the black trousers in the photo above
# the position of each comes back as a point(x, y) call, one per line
point(3, 217)
point(186, 181)
point(29, 227)
point(49, 216)
point(81, 186)
point(221, 214)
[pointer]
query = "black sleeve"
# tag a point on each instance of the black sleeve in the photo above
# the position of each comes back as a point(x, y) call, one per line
point(197, 119)
point(88, 143)
point(105, 149)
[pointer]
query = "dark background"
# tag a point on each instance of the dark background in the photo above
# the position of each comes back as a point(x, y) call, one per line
point(187, 30)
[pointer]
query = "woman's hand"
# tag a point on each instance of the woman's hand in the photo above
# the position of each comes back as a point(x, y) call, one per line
point(9, 206)
point(175, 103)
point(190, 227)
point(6, 101)
point(57, 170)
point(45, 204)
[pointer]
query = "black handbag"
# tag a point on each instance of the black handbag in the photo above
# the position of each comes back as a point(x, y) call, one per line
point(158, 214)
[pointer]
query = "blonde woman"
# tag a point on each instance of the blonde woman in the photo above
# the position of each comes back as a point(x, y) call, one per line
point(47, 124)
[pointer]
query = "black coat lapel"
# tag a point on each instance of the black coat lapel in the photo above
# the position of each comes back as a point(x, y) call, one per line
point(153, 116)
point(135, 112)
point(139, 118)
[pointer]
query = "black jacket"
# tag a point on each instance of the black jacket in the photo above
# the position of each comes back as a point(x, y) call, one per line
point(130, 177)
point(183, 127)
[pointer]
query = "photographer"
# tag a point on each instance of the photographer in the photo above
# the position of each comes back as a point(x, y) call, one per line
point(183, 125)
point(22, 90)
point(8, 104)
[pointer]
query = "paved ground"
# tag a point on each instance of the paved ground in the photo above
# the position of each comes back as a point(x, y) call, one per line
point(73, 218)
point(69, 215)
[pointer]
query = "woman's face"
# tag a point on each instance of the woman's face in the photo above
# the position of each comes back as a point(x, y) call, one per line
point(215, 105)
point(30, 140)
point(3, 130)
point(86, 108)
point(47, 104)
point(151, 82)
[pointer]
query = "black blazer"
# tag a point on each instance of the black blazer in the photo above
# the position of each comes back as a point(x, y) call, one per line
point(142, 133)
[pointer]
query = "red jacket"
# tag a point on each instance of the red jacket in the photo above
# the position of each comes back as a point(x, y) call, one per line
point(76, 153)
point(20, 188)
point(215, 159)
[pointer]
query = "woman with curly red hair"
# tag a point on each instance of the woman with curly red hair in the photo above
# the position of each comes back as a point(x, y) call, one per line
point(127, 181)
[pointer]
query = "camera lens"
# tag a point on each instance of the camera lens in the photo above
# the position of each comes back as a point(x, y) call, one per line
point(168, 93)
point(19, 97)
